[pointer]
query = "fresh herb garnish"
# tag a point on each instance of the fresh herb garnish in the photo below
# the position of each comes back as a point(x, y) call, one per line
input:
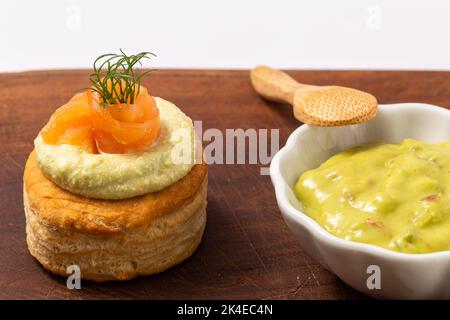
point(114, 79)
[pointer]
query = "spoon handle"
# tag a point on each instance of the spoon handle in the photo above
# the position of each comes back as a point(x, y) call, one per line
point(274, 85)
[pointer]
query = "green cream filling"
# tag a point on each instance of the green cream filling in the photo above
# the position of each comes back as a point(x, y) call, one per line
point(120, 176)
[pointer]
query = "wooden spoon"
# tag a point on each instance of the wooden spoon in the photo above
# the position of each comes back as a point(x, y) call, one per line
point(325, 106)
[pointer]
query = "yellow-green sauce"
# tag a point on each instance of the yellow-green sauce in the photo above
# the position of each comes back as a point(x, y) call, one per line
point(395, 196)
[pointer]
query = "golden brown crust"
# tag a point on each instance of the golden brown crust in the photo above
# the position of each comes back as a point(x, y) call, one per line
point(67, 211)
point(164, 242)
point(113, 239)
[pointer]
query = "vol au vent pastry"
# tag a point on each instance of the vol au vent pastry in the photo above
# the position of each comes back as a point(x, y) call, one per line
point(112, 185)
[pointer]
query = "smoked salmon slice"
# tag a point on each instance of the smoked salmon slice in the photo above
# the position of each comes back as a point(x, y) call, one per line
point(118, 128)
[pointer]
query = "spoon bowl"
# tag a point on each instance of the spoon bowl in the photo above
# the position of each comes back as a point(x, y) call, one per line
point(325, 106)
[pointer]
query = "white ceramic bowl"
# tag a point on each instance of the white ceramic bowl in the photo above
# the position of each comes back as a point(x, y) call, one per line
point(403, 276)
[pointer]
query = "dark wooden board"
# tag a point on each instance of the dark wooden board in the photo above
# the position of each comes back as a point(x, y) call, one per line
point(247, 251)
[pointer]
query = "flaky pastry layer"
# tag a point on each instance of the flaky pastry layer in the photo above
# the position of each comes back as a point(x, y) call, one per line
point(66, 210)
point(113, 239)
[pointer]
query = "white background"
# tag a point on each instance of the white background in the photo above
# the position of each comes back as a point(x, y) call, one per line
point(229, 34)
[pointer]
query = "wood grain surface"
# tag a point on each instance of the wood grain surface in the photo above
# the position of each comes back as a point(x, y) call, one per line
point(247, 251)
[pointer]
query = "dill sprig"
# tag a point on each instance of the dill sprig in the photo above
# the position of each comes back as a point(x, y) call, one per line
point(114, 78)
